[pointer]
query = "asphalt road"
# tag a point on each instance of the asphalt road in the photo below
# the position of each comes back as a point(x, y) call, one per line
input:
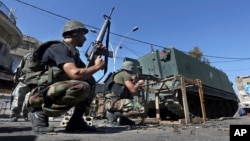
point(212, 130)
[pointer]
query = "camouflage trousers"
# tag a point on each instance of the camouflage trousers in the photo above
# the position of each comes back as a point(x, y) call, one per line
point(127, 107)
point(19, 100)
point(60, 97)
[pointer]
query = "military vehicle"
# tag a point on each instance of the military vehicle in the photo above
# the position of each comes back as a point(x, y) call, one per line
point(240, 82)
point(219, 98)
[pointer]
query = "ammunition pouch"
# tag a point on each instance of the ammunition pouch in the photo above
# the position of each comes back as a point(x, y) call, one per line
point(110, 100)
point(39, 97)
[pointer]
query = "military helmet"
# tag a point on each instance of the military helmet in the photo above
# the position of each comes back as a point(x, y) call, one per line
point(128, 65)
point(72, 27)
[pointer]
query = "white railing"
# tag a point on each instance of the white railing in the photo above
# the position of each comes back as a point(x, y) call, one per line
point(6, 11)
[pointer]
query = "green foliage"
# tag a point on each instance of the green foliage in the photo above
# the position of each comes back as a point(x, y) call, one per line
point(198, 54)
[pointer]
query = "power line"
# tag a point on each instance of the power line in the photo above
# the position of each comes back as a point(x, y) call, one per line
point(43, 10)
point(88, 25)
point(229, 61)
point(226, 57)
point(143, 42)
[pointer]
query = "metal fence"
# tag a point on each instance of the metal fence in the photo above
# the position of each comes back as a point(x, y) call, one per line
point(7, 12)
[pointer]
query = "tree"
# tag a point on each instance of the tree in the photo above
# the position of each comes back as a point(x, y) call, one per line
point(196, 53)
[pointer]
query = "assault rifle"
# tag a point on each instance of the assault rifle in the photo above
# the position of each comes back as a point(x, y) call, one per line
point(146, 77)
point(95, 50)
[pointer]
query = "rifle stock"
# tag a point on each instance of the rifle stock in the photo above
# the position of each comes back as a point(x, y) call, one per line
point(95, 51)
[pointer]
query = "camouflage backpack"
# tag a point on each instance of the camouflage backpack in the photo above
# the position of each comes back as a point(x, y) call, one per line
point(97, 108)
point(36, 73)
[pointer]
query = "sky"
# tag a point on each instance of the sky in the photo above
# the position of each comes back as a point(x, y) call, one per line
point(220, 28)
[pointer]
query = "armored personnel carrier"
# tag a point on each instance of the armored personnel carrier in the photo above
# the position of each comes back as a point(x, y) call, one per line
point(220, 99)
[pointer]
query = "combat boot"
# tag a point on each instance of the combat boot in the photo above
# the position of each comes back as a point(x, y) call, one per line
point(13, 119)
point(111, 118)
point(25, 115)
point(117, 118)
point(77, 124)
point(125, 121)
point(40, 122)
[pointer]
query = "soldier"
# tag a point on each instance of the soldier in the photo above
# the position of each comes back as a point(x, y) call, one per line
point(72, 84)
point(19, 95)
point(18, 105)
point(119, 104)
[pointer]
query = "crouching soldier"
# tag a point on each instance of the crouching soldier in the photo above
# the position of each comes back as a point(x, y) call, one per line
point(66, 83)
point(119, 104)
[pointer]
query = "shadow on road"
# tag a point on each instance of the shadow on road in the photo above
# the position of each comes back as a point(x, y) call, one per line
point(18, 138)
point(12, 129)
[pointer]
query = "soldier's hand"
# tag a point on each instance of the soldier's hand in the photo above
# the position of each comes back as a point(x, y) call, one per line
point(99, 63)
point(140, 82)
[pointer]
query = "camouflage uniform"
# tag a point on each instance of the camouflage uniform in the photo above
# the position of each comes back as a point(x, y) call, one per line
point(127, 106)
point(55, 93)
point(19, 95)
point(18, 105)
point(62, 96)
